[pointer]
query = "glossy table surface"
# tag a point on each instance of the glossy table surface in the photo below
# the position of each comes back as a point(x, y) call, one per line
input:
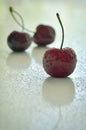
point(29, 98)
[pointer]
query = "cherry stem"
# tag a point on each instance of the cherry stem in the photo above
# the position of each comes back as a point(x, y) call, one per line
point(12, 11)
point(62, 30)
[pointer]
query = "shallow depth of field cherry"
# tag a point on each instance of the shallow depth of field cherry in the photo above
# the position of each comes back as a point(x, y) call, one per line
point(44, 35)
point(18, 41)
point(60, 62)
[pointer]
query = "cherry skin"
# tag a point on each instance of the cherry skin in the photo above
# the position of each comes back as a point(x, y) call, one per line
point(19, 41)
point(60, 62)
point(44, 35)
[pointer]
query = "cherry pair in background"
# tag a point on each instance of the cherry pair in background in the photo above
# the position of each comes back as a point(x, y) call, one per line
point(20, 41)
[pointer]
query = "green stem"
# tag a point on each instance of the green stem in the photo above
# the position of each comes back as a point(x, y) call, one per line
point(12, 11)
point(62, 30)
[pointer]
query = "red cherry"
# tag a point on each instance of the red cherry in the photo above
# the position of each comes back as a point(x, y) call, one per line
point(44, 35)
point(19, 41)
point(59, 62)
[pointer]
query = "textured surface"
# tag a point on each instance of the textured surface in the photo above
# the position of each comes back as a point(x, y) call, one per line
point(29, 98)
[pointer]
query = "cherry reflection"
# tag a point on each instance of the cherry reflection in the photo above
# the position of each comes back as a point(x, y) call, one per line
point(18, 61)
point(58, 91)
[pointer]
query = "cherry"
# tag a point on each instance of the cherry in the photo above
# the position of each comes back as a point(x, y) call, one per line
point(44, 35)
point(18, 41)
point(60, 62)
